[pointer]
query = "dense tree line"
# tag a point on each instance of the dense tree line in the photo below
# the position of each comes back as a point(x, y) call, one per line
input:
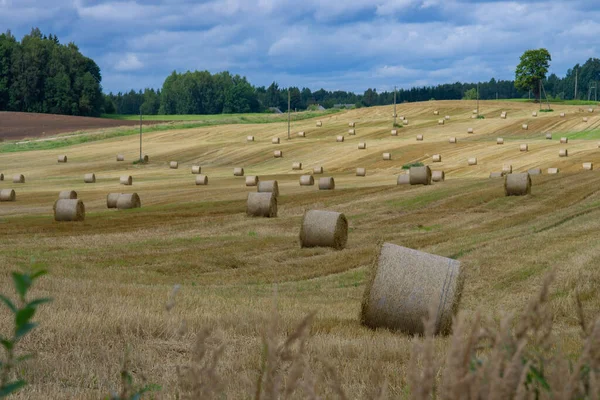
point(38, 74)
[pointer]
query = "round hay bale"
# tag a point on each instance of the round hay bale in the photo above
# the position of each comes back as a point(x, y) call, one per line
point(394, 132)
point(362, 146)
point(201, 179)
point(525, 127)
point(588, 166)
point(436, 112)
point(275, 140)
point(146, 159)
point(238, 171)
point(563, 153)
point(499, 141)
point(404, 284)
point(420, 175)
point(250, 138)
point(361, 172)
point(590, 110)
point(111, 200)
point(278, 154)
point(470, 130)
point(1, 177)
point(534, 114)
point(438, 176)
point(503, 115)
point(447, 117)
point(585, 119)
point(517, 184)
point(437, 158)
point(351, 124)
point(405, 122)
point(534, 171)
point(440, 122)
point(297, 166)
point(19, 178)
point(7, 195)
point(419, 138)
point(62, 159)
point(317, 170)
point(261, 205)
point(475, 112)
point(89, 178)
point(351, 131)
point(507, 168)
point(324, 229)
point(562, 115)
point(67, 195)
point(173, 165)
point(403, 179)
point(339, 139)
point(120, 157)
point(128, 200)
point(319, 124)
point(452, 140)
point(301, 134)
point(496, 174)
point(524, 147)
point(196, 169)
point(564, 140)
point(548, 136)
point(473, 116)
point(307, 180)
point(326, 183)
point(472, 161)
point(69, 210)
point(251, 180)
point(126, 180)
point(394, 115)
point(387, 156)
point(553, 171)
point(268, 187)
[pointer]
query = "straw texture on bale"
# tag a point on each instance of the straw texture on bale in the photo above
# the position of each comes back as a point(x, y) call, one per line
point(268, 187)
point(496, 174)
point(319, 123)
point(351, 131)
point(19, 178)
point(438, 176)
point(111, 200)
point(275, 140)
point(67, 195)
point(7, 195)
point(585, 119)
point(201, 179)
point(69, 210)
point(447, 117)
point(351, 124)
point(553, 171)
point(403, 179)
point(278, 154)
point(419, 138)
point(472, 161)
point(361, 172)
point(120, 157)
point(524, 147)
point(452, 140)
point(441, 122)
point(534, 171)
point(563, 153)
point(394, 132)
point(173, 165)
point(129, 200)
point(517, 184)
point(403, 285)
point(297, 166)
point(89, 178)
point(362, 146)
point(387, 156)
point(562, 114)
point(326, 183)
point(420, 175)
point(317, 170)
point(196, 169)
point(324, 229)
point(470, 130)
point(564, 140)
point(588, 166)
point(126, 180)
point(250, 138)
point(261, 204)
point(301, 134)
point(507, 168)
point(473, 116)
point(525, 126)
point(548, 136)
point(238, 171)
point(339, 139)
point(307, 180)
point(62, 159)
point(499, 141)
point(252, 180)
point(534, 114)
point(437, 158)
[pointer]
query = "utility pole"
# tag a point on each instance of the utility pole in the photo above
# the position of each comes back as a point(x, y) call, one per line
point(141, 159)
point(395, 115)
point(478, 99)
point(540, 92)
point(576, 75)
point(289, 115)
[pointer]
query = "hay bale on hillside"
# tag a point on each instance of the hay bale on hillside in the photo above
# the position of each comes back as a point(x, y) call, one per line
point(387, 156)
point(261, 204)
point(1, 177)
point(196, 169)
point(472, 161)
point(324, 229)
point(524, 147)
point(503, 115)
point(89, 178)
point(404, 283)
point(8, 195)
point(499, 140)
point(420, 175)
point(307, 180)
point(447, 117)
point(552, 171)
point(563, 153)
point(268, 187)
point(62, 158)
point(590, 110)
point(126, 180)
point(403, 179)
point(585, 119)
point(319, 124)
point(351, 131)
point(275, 140)
point(534, 171)
point(496, 174)
point(173, 165)
point(251, 180)
point(475, 112)
point(318, 170)
point(525, 127)
point(301, 134)
point(507, 168)
point(405, 122)
point(452, 140)
point(128, 200)
point(470, 130)
point(534, 114)
point(19, 178)
point(394, 115)
point(351, 124)
point(588, 166)
point(249, 138)
point(361, 172)
point(437, 158)
point(278, 154)
point(238, 171)
point(419, 138)
point(297, 166)
point(548, 136)
point(394, 132)
point(438, 176)
point(564, 140)
point(440, 122)
point(517, 184)
point(146, 159)
point(436, 112)
point(111, 200)
point(326, 183)
point(67, 195)
point(562, 115)
point(120, 157)
point(362, 146)
point(69, 210)
point(340, 138)
point(201, 179)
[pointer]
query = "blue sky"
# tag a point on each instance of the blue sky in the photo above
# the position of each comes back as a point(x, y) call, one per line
point(335, 44)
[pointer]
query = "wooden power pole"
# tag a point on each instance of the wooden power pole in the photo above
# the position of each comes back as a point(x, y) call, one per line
point(289, 115)
point(395, 115)
point(141, 158)
point(576, 76)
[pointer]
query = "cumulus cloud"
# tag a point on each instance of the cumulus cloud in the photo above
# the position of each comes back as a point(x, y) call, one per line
point(129, 62)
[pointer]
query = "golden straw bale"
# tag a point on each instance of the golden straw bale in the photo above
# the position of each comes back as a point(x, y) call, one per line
point(120, 157)
point(128, 200)
point(420, 175)
point(196, 169)
point(387, 156)
point(69, 210)
point(499, 140)
point(553, 171)
point(525, 126)
point(452, 140)
point(62, 159)
point(351, 131)
point(278, 154)
point(534, 114)
point(326, 183)
point(419, 138)
point(517, 184)
point(472, 161)
point(403, 179)
point(19, 178)
point(261, 204)
point(507, 168)
point(534, 171)
point(173, 165)
point(268, 187)
point(111, 200)
point(297, 166)
point(496, 174)
point(562, 115)
point(252, 180)
point(89, 178)
point(67, 195)
point(563, 153)
point(238, 171)
point(588, 166)
point(564, 140)
point(361, 172)
point(307, 180)
point(470, 130)
point(317, 170)
point(319, 124)
point(250, 138)
point(126, 180)
point(340, 138)
point(441, 122)
point(351, 124)
point(275, 140)
point(302, 134)
point(524, 147)
point(7, 195)
point(201, 179)
point(362, 146)
point(548, 136)
point(324, 229)
point(438, 176)
point(437, 158)
point(394, 132)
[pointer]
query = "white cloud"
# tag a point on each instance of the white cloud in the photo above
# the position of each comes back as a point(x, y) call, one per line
point(129, 62)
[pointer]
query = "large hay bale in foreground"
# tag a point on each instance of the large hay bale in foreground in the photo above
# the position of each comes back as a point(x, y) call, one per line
point(251, 180)
point(128, 200)
point(588, 166)
point(69, 210)
point(301, 134)
point(361, 172)
point(507, 168)
point(238, 171)
point(201, 180)
point(62, 158)
point(403, 179)
point(307, 180)
point(564, 140)
point(297, 166)
point(517, 184)
point(534, 171)
point(552, 171)
point(548, 136)
point(499, 140)
point(250, 138)
point(261, 205)
point(278, 154)
point(19, 178)
point(120, 157)
point(324, 229)
point(339, 138)
point(387, 156)
point(420, 175)
point(326, 183)
point(7, 195)
point(67, 195)
point(275, 140)
point(472, 161)
point(268, 187)
point(437, 158)
point(563, 153)
point(318, 170)
point(362, 146)
point(173, 165)
point(126, 180)
point(524, 147)
point(405, 284)
point(196, 169)
point(438, 176)
point(89, 178)
point(452, 140)
point(111, 200)
point(394, 132)
point(419, 138)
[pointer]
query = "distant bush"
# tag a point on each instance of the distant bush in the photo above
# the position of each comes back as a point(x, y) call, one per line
point(547, 110)
point(481, 117)
point(416, 164)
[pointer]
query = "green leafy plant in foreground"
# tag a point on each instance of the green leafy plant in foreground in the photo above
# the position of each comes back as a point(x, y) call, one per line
point(23, 311)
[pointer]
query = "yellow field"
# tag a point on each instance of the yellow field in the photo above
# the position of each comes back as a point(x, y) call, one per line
point(111, 275)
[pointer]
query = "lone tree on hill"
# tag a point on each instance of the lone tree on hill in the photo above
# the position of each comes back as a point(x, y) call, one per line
point(531, 70)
